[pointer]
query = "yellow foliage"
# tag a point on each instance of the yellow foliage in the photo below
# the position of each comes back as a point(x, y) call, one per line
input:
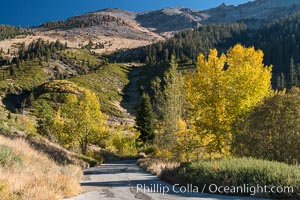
point(27, 123)
point(122, 143)
point(62, 86)
point(222, 88)
point(5, 190)
point(79, 121)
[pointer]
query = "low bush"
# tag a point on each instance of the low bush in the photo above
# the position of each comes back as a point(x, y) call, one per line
point(5, 194)
point(157, 166)
point(92, 162)
point(150, 149)
point(8, 157)
point(242, 171)
point(122, 142)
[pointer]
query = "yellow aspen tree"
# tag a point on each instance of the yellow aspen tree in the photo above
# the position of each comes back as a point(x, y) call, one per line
point(188, 143)
point(222, 88)
point(80, 120)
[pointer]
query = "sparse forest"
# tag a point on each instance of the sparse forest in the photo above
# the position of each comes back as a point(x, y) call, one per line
point(85, 21)
point(8, 32)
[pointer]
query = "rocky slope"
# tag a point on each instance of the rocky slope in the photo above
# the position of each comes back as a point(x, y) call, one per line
point(252, 13)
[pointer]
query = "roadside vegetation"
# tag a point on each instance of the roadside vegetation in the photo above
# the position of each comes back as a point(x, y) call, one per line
point(209, 118)
point(230, 172)
point(27, 174)
point(242, 171)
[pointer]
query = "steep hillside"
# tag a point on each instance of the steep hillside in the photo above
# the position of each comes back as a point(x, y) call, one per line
point(22, 77)
point(253, 14)
point(8, 32)
point(22, 167)
point(170, 19)
point(70, 46)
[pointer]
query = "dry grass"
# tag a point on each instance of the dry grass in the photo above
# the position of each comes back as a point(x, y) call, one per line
point(57, 153)
point(38, 177)
point(156, 166)
point(82, 36)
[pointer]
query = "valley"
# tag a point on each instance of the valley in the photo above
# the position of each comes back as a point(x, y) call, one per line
point(192, 96)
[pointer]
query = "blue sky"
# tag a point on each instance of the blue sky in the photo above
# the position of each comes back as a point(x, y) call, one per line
point(35, 12)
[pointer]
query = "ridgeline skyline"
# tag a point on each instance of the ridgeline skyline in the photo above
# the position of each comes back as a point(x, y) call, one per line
point(35, 12)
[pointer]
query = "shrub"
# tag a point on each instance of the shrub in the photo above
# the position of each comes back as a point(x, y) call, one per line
point(240, 171)
point(271, 130)
point(8, 157)
point(122, 142)
point(92, 162)
point(4, 191)
point(150, 149)
point(157, 166)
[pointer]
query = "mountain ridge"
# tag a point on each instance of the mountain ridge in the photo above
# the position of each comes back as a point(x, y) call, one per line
point(261, 10)
point(118, 29)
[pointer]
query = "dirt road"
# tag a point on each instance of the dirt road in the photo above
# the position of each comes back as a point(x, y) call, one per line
point(124, 181)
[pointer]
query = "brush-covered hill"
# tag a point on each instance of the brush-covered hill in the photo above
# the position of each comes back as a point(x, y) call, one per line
point(41, 62)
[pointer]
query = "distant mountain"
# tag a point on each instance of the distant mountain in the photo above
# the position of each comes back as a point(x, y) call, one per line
point(165, 20)
point(253, 13)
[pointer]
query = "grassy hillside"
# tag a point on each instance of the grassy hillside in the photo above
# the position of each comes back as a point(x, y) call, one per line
point(14, 79)
point(27, 174)
point(32, 167)
point(108, 84)
point(82, 60)
point(36, 67)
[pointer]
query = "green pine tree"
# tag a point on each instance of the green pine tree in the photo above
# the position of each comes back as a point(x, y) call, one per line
point(145, 119)
point(169, 103)
point(173, 97)
point(293, 82)
point(282, 79)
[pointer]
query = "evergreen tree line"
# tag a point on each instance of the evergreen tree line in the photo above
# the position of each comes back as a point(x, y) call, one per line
point(92, 45)
point(188, 44)
point(278, 40)
point(39, 49)
point(8, 32)
point(85, 21)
